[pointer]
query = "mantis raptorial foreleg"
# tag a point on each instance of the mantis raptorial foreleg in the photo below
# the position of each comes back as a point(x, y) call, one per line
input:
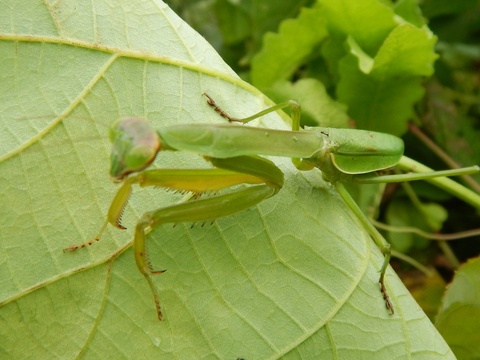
point(263, 174)
point(189, 180)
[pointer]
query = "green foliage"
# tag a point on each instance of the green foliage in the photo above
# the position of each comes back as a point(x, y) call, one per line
point(427, 217)
point(382, 92)
point(315, 102)
point(288, 278)
point(236, 28)
point(458, 316)
point(376, 60)
point(296, 40)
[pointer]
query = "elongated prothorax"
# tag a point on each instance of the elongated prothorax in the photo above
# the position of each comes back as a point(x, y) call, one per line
point(226, 141)
point(350, 151)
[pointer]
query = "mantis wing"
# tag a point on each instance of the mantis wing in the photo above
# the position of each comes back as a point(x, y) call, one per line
point(361, 151)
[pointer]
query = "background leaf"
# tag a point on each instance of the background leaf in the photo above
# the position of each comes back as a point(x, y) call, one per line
point(392, 84)
point(294, 277)
point(459, 311)
point(284, 52)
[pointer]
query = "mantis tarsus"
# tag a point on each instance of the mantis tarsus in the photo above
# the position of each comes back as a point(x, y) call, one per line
point(343, 155)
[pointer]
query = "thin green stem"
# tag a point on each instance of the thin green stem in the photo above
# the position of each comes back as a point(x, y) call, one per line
point(431, 236)
point(442, 155)
point(375, 179)
point(446, 184)
point(413, 262)
point(447, 250)
point(413, 196)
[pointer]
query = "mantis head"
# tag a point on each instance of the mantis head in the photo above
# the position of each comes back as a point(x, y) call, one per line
point(135, 145)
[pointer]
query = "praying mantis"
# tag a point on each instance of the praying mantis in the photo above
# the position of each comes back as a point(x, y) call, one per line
point(235, 152)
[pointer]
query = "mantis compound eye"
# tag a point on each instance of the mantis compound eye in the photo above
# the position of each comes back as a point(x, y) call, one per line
point(135, 145)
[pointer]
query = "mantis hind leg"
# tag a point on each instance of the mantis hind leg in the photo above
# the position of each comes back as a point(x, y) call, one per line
point(199, 210)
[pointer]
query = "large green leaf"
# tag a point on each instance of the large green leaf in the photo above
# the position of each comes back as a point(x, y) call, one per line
point(294, 277)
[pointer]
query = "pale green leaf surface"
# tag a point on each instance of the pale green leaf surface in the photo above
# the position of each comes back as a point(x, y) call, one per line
point(295, 277)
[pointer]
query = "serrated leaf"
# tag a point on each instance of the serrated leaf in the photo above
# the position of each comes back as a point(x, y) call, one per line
point(289, 277)
point(365, 62)
point(367, 21)
point(407, 51)
point(255, 17)
point(284, 52)
point(381, 91)
point(382, 105)
point(465, 286)
point(380, 76)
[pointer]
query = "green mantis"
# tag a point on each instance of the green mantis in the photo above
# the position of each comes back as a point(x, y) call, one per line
point(343, 155)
